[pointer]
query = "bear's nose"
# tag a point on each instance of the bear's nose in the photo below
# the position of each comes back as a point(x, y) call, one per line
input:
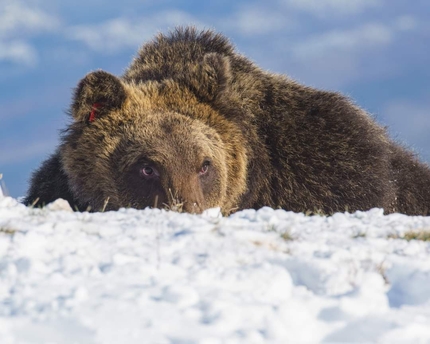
point(192, 207)
point(189, 195)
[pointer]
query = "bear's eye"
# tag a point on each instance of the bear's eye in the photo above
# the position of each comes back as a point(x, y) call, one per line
point(149, 172)
point(205, 167)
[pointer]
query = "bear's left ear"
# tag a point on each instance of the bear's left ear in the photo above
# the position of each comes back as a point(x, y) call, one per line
point(210, 77)
point(96, 95)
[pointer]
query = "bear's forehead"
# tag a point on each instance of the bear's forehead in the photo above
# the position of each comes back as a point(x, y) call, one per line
point(166, 93)
point(168, 133)
point(169, 152)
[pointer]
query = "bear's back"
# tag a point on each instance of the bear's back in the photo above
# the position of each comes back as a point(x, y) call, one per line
point(171, 55)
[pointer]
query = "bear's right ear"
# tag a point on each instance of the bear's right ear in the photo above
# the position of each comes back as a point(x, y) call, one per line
point(96, 95)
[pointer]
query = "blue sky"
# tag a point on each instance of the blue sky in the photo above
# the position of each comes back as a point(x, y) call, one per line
point(375, 51)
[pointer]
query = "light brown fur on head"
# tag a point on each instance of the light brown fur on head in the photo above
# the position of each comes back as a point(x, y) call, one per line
point(161, 125)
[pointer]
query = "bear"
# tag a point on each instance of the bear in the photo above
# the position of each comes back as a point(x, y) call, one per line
point(192, 124)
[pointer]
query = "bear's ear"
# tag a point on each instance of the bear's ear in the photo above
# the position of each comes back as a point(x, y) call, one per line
point(210, 77)
point(96, 95)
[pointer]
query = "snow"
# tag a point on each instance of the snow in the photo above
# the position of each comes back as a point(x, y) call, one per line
point(266, 276)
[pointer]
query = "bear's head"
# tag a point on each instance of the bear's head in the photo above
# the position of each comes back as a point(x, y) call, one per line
point(156, 143)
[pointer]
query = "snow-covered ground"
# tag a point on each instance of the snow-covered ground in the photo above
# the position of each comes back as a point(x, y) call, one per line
point(266, 276)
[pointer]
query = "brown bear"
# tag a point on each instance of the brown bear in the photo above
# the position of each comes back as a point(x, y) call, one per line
point(194, 123)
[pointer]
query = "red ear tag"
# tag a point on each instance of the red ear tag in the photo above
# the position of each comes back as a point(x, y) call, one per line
point(93, 112)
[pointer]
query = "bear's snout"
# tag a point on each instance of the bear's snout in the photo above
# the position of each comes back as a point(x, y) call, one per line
point(188, 195)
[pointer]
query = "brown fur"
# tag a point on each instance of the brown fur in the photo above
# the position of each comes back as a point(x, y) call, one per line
point(187, 101)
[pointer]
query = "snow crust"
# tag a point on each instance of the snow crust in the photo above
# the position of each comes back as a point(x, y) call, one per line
point(266, 276)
